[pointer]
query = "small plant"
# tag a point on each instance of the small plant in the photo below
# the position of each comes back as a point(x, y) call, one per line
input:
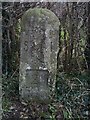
point(5, 104)
point(52, 111)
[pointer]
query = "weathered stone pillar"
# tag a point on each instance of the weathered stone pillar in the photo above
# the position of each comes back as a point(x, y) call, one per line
point(38, 55)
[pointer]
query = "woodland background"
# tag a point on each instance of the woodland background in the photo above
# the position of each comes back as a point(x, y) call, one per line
point(71, 97)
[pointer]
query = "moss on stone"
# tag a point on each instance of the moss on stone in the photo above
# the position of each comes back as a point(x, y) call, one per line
point(39, 13)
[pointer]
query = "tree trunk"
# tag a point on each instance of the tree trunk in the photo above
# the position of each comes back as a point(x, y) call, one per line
point(87, 50)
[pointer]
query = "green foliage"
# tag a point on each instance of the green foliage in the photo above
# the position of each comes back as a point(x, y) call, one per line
point(72, 90)
point(52, 110)
point(10, 86)
point(62, 34)
point(5, 104)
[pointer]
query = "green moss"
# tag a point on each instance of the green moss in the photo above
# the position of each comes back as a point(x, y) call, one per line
point(39, 13)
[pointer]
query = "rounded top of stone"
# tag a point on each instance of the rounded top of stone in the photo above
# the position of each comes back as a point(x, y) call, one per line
point(40, 13)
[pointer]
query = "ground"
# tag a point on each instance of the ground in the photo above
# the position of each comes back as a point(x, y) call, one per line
point(33, 111)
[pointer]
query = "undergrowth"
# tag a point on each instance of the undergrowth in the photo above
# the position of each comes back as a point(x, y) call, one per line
point(73, 92)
